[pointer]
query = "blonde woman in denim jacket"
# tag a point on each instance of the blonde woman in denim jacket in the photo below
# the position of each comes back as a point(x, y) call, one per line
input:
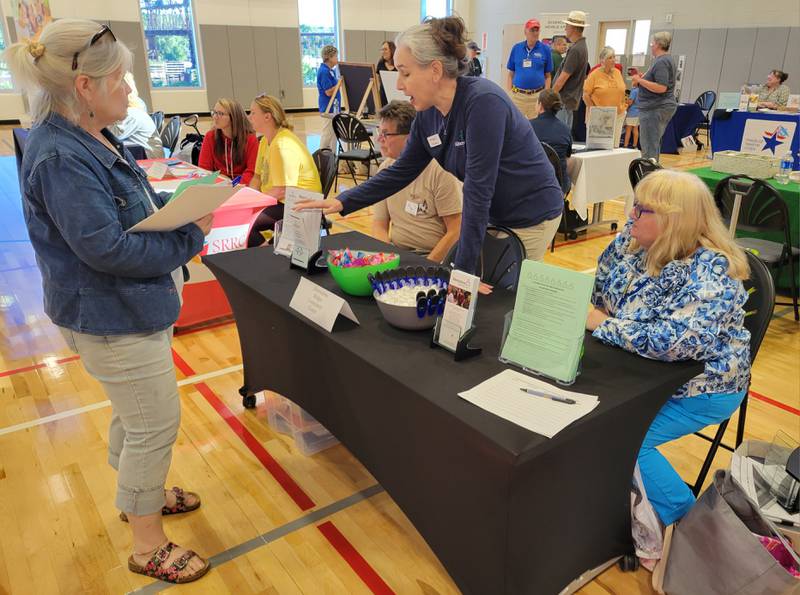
point(669, 287)
point(113, 294)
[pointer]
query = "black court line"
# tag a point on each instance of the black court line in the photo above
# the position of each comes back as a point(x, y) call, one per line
point(275, 534)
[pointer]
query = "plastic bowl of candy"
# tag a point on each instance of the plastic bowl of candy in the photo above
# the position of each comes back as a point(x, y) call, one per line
point(349, 268)
point(401, 302)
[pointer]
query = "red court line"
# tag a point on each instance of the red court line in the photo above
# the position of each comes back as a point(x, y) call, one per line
point(38, 366)
point(296, 493)
point(774, 403)
point(355, 560)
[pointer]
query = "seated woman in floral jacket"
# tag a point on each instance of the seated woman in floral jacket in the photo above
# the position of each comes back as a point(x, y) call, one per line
point(669, 287)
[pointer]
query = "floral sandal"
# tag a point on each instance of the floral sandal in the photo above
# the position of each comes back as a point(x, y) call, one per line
point(172, 573)
point(180, 504)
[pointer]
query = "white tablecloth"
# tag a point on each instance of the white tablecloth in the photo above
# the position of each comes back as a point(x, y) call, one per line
point(598, 176)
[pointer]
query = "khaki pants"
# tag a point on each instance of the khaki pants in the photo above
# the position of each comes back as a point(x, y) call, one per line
point(537, 238)
point(527, 104)
point(138, 377)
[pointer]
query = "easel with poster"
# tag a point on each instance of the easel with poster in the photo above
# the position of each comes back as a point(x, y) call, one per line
point(360, 86)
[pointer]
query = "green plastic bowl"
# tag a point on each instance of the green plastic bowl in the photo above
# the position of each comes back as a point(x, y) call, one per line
point(353, 280)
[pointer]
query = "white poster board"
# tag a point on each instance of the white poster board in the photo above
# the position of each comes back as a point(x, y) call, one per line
point(389, 83)
point(600, 128)
point(552, 24)
point(772, 138)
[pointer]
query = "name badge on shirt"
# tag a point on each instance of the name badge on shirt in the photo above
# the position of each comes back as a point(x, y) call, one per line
point(527, 63)
point(412, 208)
point(434, 140)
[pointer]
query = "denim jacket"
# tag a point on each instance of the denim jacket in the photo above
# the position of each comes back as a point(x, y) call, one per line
point(79, 198)
point(691, 310)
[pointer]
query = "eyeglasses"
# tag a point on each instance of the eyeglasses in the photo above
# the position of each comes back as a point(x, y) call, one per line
point(218, 114)
point(639, 210)
point(385, 135)
point(95, 38)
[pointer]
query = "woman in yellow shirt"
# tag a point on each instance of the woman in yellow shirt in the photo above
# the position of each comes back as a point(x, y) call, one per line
point(605, 87)
point(283, 160)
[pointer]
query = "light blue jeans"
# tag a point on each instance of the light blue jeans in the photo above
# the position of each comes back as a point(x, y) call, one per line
point(652, 123)
point(670, 496)
point(138, 377)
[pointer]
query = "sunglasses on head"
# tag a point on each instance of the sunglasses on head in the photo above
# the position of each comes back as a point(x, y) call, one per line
point(95, 38)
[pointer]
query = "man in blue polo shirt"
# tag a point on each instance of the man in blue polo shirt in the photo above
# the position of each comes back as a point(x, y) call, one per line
point(326, 84)
point(530, 67)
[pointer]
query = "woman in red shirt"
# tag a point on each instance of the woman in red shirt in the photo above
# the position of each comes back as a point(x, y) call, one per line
point(230, 147)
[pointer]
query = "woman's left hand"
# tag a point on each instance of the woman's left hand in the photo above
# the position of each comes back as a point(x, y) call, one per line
point(635, 79)
point(596, 318)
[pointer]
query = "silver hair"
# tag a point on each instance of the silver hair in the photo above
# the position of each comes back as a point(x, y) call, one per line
point(44, 70)
point(425, 49)
point(328, 52)
point(606, 52)
point(663, 39)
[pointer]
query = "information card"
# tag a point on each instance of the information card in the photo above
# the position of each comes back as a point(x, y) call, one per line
point(320, 305)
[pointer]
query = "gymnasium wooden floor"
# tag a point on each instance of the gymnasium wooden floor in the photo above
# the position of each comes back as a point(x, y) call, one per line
point(60, 532)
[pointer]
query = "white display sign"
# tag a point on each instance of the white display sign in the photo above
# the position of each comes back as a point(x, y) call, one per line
point(772, 138)
point(552, 24)
point(225, 239)
point(320, 305)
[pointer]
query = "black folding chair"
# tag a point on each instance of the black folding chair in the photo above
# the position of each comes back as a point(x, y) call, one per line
point(325, 161)
point(705, 101)
point(158, 120)
point(501, 257)
point(758, 312)
point(170, 135)
point(351, 133)
point(754, 207)
point(555, 161)
point(639, 168)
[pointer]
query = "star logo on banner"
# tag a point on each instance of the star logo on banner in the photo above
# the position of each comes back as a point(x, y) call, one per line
point(772, 142)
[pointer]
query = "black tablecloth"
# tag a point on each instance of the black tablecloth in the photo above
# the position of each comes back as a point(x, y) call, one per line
point(687, 117)
point(505, 510)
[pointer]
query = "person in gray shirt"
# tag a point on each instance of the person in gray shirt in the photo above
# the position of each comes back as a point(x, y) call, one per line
point(572, 72)
point(656, 96)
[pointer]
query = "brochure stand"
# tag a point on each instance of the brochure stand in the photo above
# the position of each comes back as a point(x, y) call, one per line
point(463, 349)
point(316, 263)
point(506, 326)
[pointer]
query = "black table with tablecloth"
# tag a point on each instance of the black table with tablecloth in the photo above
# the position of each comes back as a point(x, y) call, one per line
point(687, 117)
point(505, 510)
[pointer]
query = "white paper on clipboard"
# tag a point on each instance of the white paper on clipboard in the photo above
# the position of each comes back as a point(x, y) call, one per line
point(191, 205)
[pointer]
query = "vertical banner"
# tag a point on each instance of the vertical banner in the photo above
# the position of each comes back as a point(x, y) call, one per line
point(681, 66)
point(30, 17)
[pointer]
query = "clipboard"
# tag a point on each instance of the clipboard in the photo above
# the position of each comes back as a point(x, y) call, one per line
point(192, 204)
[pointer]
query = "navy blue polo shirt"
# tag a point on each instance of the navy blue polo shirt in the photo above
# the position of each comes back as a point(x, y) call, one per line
point(530, 77)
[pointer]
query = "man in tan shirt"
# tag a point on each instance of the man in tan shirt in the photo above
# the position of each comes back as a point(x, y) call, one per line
point(426, 215)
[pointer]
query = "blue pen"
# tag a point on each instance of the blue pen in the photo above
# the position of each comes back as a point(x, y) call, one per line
point(236, 180)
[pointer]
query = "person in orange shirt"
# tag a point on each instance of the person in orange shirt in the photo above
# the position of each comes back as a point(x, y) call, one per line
point(605, 87)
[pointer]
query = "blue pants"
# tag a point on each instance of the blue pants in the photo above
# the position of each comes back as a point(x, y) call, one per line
point(670, 496)
point(652, 124)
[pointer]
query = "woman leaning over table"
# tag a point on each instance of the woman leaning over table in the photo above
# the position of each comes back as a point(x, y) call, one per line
point(283, 160)
point(774, 93)
point(605, 87)
point(470, 126)
point(231, 146)
point(114, 295)
point(669, 287)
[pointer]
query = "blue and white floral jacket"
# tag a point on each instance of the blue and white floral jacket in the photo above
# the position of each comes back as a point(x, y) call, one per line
point(691, 310)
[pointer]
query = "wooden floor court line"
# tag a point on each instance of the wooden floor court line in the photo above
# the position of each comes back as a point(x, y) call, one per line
point(102, 404)
point(339, 542)
point(274, 534)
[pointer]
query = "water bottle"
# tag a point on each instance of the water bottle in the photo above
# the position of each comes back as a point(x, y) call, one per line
point(782, 177)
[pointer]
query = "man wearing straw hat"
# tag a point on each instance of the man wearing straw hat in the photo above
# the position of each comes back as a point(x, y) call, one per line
point(570, 76)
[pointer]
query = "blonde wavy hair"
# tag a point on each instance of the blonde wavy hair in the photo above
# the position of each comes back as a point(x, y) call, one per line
point(44, 69)
point(688, 219)
point(270, 105)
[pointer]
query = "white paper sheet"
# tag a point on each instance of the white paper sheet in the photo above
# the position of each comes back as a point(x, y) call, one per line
point(502, 396)
point(192, 204)
point(389, 83)
point(320, 305)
